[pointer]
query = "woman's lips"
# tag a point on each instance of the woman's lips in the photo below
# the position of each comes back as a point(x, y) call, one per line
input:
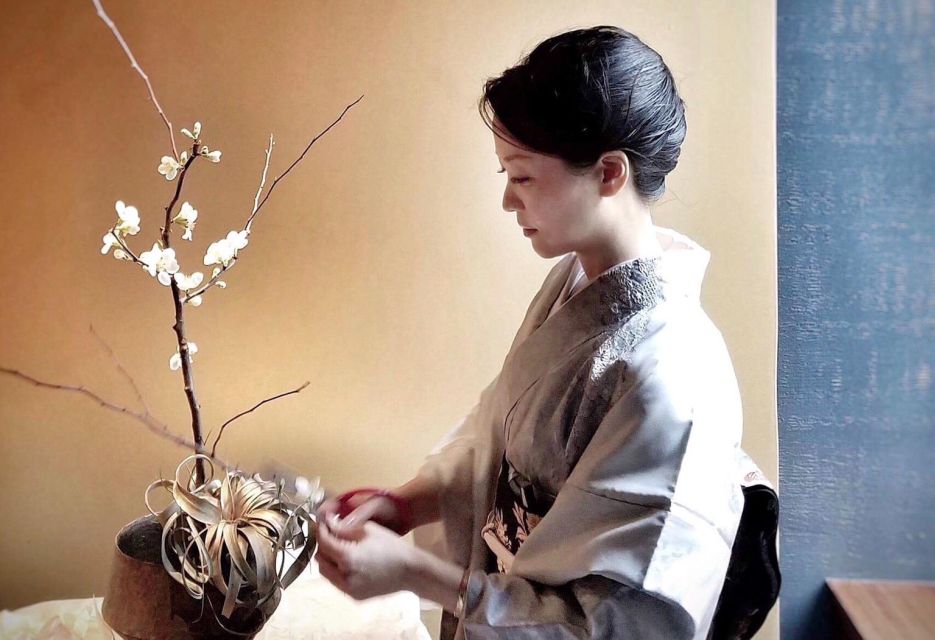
point(528, 232)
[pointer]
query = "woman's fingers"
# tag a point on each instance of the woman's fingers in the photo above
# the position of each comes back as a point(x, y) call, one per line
point(327, 509)
point(338, 550)
point(375, 564)
point(359, 499)
point(331, 572)
point(356, 519)
point(343, 508)
point(346, 517)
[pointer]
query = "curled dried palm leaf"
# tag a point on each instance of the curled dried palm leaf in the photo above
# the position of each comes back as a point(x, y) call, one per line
point(235, 533)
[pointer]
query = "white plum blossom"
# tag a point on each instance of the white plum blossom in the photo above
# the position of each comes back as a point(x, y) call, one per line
point(194, 133)
point(160, 263)
point(196, 301)
point(175, 362)
point(221, 284)
point(120, 254)
point(110, 241)
point(220, 252)
point(188, 282)
point(238, 238)
point(186, 217)
point(128, 219)
point(213, 156)
point(169, 167)
point(223, 251)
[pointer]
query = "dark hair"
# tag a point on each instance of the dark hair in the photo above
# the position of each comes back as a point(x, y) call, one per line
point(584, 92)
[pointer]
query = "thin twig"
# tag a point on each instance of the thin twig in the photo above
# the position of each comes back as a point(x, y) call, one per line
point(110, 23)
point(211, 282)
point(297, 160)
point(257, 205)
point(253, 408)
point(214, 279)
point(125, 248)
point(151, 423)
point(256, 198)
point(120, 368)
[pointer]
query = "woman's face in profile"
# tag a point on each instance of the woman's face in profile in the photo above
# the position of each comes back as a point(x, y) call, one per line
point(554, 208)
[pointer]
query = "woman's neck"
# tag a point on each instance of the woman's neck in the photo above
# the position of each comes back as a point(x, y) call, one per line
point(623, 245)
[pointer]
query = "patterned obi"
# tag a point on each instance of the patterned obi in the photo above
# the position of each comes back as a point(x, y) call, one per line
point(518, 507)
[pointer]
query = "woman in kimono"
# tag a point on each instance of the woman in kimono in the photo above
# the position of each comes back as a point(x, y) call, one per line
point(593, 491)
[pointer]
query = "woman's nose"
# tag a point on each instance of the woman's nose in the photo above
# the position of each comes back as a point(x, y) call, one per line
point(511, 202)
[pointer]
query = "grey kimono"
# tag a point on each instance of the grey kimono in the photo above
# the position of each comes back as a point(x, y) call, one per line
point(593, 490)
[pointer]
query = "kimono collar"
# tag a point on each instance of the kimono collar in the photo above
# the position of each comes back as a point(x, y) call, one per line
point(603, 306)
point(683, 265)
point(623, 289)
point(677, 273)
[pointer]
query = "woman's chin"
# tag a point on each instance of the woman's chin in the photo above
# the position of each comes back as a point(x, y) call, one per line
point(544, 250)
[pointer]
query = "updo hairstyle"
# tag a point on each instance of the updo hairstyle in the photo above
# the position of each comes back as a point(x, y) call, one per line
point(584, 92)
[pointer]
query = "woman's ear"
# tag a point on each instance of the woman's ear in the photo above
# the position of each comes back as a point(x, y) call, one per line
point(615, 172)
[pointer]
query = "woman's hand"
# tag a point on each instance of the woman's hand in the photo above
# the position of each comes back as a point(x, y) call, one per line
point(357, 510)
point(367, 561)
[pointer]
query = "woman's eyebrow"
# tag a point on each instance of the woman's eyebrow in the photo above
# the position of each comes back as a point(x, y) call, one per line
point(515, 156)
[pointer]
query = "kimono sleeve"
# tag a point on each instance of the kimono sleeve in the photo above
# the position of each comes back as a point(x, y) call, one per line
point(450, 467)
point(508, 607)
point(449, 462)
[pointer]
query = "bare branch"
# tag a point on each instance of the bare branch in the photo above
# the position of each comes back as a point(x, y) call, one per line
point(151, 423)
point(110, 352)
point(214, 279)
point(256, 198)
point(110, 23)
point(297, 161)
point(253, 408)
point(257, 204)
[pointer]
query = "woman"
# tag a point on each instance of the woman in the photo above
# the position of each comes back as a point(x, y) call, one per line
point(593, 492)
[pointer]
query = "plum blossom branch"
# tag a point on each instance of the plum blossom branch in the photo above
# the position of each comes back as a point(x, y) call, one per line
point(160, 261)
point(110, 23)
point(188, 376)
point(175, 198)
point(251, 409)
point(146, 418)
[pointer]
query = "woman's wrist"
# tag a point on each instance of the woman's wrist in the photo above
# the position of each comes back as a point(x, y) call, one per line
point(423, 500)
point(432, 578)
point(404, 512)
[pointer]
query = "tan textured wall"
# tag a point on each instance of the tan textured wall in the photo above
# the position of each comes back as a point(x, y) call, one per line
point(383, 269)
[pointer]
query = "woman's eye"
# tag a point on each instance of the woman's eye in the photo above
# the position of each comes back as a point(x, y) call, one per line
point(514, 180)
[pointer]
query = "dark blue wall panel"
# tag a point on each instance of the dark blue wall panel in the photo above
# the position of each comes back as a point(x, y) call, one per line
point(856, 155)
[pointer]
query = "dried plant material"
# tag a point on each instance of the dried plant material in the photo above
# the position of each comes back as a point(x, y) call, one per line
point(236, 533)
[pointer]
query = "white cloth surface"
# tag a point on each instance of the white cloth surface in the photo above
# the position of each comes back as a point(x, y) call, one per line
point(311, 608)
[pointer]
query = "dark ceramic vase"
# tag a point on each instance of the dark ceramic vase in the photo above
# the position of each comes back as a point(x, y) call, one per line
point(143, 602)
